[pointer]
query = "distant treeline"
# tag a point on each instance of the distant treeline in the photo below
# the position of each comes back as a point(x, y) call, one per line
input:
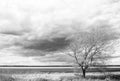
point(55, 66)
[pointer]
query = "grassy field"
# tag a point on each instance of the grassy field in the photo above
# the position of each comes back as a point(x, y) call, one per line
point(55, 77)
point(54, 74)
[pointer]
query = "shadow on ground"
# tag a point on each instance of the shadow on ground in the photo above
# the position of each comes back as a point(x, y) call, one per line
point(114, 77)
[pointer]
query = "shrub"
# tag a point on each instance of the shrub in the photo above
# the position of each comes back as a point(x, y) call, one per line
point(6, 78)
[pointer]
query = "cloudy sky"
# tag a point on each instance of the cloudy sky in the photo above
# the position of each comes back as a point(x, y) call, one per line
point(29, 26)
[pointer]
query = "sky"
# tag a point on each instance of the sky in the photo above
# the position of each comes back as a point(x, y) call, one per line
point(29, 26)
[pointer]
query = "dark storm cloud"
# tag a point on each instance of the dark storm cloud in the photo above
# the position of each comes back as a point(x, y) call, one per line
point(53, 44)
point(12, 33)
point(29, 52)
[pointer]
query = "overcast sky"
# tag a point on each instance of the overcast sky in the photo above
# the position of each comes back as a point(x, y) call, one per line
point(28, 26)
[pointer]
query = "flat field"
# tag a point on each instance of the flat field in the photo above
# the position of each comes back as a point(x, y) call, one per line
point(57, 74)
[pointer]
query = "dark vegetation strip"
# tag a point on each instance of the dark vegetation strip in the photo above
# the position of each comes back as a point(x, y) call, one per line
point(56, 66)
point(50, 70)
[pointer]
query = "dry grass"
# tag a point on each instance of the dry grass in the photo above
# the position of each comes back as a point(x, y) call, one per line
point(50, 77)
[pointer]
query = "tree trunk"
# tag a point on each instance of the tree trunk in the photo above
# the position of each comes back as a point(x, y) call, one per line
point(84, 72)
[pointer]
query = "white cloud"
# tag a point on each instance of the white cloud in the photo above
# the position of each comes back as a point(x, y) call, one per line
point(44, 12)
point(26, 20)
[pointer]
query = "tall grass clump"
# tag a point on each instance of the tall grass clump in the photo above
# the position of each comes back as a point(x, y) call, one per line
point(6, 78)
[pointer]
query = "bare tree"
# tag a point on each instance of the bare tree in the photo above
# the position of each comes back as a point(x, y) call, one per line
point(92, 47)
